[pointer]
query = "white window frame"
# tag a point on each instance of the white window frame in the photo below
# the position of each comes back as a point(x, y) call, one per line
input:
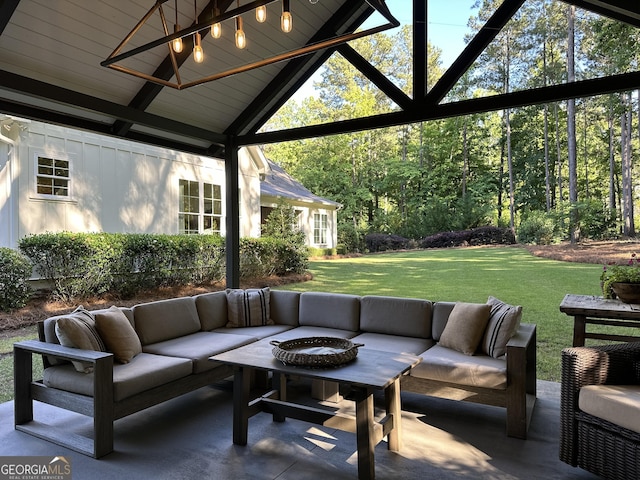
point(320, 228)
point(214, 209)
point(55, 157)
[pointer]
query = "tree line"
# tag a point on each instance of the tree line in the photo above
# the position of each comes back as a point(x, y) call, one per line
point(565, 167)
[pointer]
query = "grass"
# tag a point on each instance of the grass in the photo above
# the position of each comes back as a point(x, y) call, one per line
point(511, 274)
point(462, 274)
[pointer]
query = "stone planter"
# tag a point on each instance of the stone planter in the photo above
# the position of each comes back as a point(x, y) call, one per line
point(627, 292)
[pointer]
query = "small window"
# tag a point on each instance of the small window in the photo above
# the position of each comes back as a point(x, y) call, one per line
point(200, 207)
point(52, 177)
point(319, 228)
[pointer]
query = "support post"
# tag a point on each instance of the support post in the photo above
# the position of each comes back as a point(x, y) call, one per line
point(232, 241)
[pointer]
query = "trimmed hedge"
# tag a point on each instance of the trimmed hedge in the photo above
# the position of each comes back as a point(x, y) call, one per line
point(381, 242)
point(477, 236)
point(82, 265)
point(15, 271)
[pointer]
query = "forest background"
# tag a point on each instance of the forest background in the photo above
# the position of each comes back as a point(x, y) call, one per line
point(558, 171)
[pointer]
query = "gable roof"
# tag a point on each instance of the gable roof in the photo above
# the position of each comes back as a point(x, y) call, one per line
point(278, 183)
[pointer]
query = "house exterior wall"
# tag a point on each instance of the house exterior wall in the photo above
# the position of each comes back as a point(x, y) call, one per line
point(115, 185)
point(306, 220)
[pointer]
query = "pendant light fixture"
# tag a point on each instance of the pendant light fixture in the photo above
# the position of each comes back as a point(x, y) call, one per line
point(198, 53)
point(241, 39)
point(286, 21)
point(177, 43)
point(216, 28)
point(261, 14)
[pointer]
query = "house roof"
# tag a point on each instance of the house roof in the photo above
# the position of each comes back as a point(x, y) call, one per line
point(51, 53)
point(278, 183)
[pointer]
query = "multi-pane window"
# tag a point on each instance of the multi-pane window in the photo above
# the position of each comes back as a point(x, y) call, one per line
point(200, 207)
point(319, 228)
point(52, 177)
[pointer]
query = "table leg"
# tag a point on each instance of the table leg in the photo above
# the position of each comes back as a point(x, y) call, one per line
point(392, 405)
point(365, 433)
point(280, 385)
point(241, 390)
point(579, 330)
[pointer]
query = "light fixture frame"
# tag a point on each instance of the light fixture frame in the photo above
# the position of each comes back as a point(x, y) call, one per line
point(118, 55)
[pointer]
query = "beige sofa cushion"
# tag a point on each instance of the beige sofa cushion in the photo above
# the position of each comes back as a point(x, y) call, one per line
point(166, 319)
point(145, 371)
point(118, 334)
point(410, 317)
point(465, 327)
point(503, 323)
point(212, 309)
point(285, 307)
point(446, 365)
point(248, 308)
point(441, 312)
point(330, 310)
point(618, 404)
point(78, 330)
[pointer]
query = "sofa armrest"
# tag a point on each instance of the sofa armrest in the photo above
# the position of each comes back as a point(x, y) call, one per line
point(58, 351)
point(581, 366)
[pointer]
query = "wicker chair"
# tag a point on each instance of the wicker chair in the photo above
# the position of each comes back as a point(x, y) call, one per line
point(589, 442)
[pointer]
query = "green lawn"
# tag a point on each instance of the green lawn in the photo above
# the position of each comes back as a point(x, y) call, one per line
point(461, 274)
point(511, 274)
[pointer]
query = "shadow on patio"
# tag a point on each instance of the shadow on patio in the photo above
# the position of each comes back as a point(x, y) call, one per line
point(191, 437)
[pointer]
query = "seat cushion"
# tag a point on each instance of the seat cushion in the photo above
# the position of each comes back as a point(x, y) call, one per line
point(143, 372)
point(330, 310)
point(198, 347)
point(212, 309)
point(393, 343)
point(446, 365)
point(285, 307)
point(256, 332)
point(618, 404)
point(304, 332)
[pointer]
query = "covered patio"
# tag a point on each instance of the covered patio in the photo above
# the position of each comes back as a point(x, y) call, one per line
point(191, 437)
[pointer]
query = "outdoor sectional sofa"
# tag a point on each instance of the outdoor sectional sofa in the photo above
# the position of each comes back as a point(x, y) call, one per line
point(167, 344)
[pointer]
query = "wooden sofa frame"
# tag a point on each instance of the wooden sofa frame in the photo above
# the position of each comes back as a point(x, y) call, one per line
point(101, 407)
point(518, 398)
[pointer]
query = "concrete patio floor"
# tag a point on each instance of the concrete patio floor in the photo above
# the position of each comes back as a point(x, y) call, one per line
point(191, 438)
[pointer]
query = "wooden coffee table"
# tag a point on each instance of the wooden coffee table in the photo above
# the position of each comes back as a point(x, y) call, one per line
point(371, 370)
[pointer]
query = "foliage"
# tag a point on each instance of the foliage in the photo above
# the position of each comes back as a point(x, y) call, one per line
point(629, 273)
point(15, 271)
point(381, 242)
point(537, 228)
point(87, 265)
point(281, 223)
point(478, 236)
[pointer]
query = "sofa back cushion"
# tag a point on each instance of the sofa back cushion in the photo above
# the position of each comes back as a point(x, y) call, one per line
point(441, 312)
point(212, 309)
point(285, 307)
point(410, 317)
point(166, 319)
point(331, 310)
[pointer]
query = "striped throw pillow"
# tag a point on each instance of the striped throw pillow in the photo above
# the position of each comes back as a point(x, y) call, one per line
point(248, 308)
point(504, 320)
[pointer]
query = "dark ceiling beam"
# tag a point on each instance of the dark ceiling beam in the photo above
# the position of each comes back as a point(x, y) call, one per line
point(420, 53)
point(627, 11)
point(57, 118)
point(41, 90)
point(273, 97)
point(473, 50)
point(554, 93)
point(151, 90)
point(7, 7)
point(380, 80)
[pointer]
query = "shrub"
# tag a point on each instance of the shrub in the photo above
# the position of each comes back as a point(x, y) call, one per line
point(381, 242)
point(478, 236)
point(15, 271)
point(538, 228)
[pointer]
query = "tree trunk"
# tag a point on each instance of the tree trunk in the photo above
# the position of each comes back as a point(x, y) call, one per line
point(627, 181)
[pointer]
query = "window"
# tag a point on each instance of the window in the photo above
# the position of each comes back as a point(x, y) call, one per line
point(52, 177)
point(200, 207)
point(319, 228)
